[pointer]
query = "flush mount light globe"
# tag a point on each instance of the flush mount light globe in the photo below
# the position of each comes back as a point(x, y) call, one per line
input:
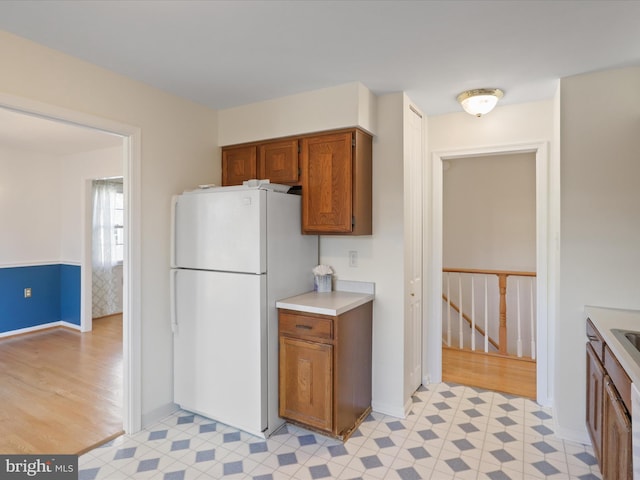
point(480, 101)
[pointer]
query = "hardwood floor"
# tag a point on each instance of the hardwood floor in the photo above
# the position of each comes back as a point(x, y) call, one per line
point(61, 390)
point(492, 372)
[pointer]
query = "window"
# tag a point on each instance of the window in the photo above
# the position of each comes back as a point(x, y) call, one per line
point(108, 223)
point(118, 226)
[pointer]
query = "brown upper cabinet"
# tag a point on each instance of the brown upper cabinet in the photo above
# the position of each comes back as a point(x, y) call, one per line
point(333, 168)
point(238, 164)
point(276, 161)
point(336, 183)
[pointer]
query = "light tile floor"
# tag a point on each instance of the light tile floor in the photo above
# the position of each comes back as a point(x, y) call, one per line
point(453, 432)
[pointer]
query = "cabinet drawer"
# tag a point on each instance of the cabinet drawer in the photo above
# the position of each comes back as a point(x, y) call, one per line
point(306, 326)
point(618, 376)
point(595, 340)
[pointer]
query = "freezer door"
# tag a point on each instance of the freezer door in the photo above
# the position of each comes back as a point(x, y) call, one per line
point(221, 230)
point(220, 346)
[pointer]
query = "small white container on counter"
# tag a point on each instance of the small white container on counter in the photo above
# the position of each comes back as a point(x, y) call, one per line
point(323, 283)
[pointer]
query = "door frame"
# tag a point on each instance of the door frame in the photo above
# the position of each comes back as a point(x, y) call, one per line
point(131, 328)
point(547, 213)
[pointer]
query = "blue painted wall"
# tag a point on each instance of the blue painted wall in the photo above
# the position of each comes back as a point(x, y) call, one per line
point(55, 296)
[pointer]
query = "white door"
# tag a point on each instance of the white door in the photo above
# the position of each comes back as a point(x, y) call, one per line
point(413, 339)
point(220, 229)
point(220, 346)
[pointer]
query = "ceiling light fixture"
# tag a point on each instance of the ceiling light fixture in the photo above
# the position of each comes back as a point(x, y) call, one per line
point(480, 101)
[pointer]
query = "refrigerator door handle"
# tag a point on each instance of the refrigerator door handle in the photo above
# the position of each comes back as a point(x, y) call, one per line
point(172, 301)
point(172, 241)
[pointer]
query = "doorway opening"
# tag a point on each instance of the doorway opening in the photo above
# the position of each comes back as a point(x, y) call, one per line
point(544, 218)
point(129, 138)
point(489, 258)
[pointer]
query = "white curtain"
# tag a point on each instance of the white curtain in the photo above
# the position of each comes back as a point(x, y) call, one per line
point(106, 279)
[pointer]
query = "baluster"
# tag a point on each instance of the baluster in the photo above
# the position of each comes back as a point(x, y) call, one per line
point(502, 283)
point(519, 342)
point(486, 316)
point(473, 316)
point(448, 309)
point(533, 328)
point(460, 343)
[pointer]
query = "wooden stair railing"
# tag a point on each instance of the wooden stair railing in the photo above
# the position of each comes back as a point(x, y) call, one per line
point(479, 329)
point(502, 275)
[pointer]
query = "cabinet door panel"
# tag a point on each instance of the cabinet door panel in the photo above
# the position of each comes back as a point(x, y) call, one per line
point(327, 192)
point(306, 382)
point(616, 448)
point(278, 161)
point(595, 390)
point(238, 164)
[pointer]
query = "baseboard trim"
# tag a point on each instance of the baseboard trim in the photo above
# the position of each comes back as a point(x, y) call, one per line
point(72, 326)
point(35, 328)
point(393, 411)
point(578, 436)
point(154, 416)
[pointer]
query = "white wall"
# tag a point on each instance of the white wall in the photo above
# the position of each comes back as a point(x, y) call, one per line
point(178, 151)
point(489, 217)
point(508, 125)
point(77, 171)
point(600, 248)
point(43, 200)
point(30, 186)
point(506, 128)
point(380, 256)
point(346, 105)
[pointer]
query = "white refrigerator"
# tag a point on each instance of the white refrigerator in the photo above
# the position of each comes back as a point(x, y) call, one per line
point(235, 251)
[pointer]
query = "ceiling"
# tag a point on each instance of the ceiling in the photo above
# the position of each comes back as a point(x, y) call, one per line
point(229, 53)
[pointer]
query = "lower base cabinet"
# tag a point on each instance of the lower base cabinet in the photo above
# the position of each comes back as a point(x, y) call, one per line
point(608, 406)
point(325, 369)
point(306, 380)
point(595, 391)
point(616, 444)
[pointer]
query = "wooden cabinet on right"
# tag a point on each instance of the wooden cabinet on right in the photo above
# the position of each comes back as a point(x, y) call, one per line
point(616, 444)
point(336, 183)
point(595, 390)
point(608, 406)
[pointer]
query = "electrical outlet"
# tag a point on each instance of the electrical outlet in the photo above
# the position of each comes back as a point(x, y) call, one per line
point(27, 292)
point(353, 258)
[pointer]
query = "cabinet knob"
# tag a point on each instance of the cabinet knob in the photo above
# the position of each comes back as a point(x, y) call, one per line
point(592, 338)
point(304, 327)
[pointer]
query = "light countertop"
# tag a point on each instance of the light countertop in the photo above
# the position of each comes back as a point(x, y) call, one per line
point(606, 319)
point(332, 303)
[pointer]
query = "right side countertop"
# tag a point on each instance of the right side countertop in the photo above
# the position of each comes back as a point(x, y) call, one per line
point(607, 319)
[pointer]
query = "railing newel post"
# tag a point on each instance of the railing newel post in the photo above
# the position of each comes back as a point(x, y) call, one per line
point(502, 284)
